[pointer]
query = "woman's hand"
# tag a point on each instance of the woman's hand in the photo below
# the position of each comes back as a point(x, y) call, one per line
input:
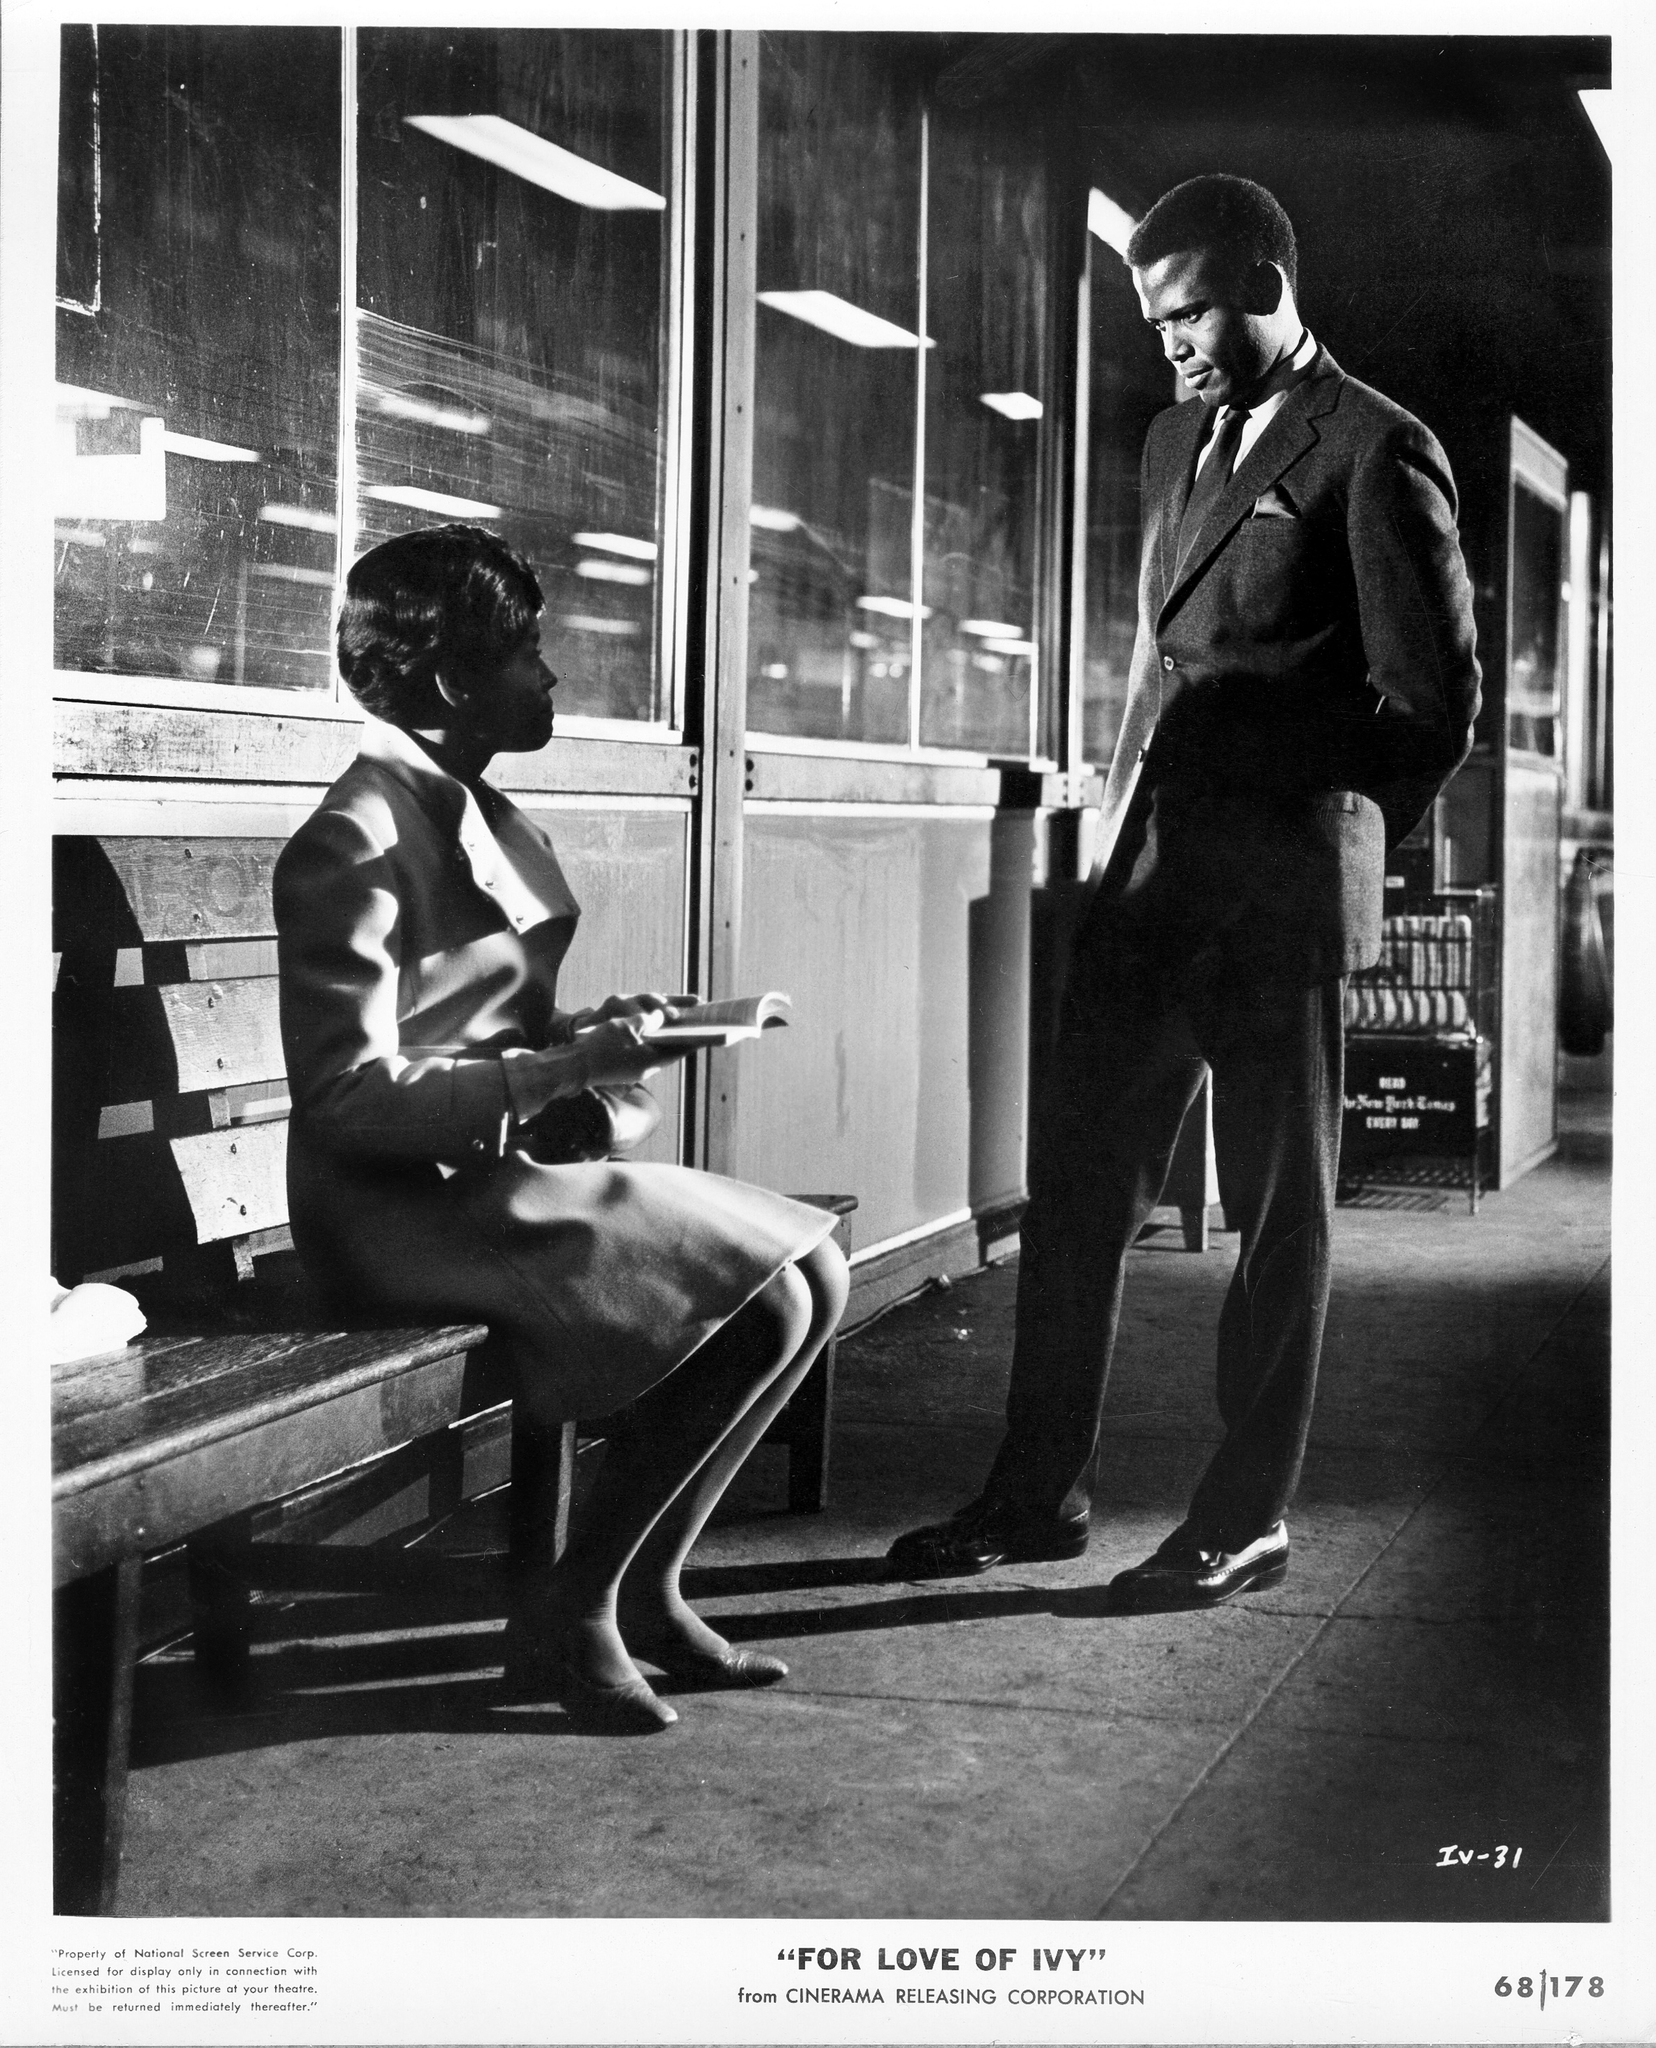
point(620, 1007)
point(620, 1052)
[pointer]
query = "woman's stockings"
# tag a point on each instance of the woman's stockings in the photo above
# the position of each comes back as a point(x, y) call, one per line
point(665, 1469)
point(653, 1610)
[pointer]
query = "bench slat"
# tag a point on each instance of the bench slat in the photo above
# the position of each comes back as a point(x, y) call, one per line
point(235, 1180)
point(195, 888)
point(162, 1395)
point(223, 1033)
point(212, 960)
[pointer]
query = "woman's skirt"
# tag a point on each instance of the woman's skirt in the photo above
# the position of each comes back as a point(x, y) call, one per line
point(595, 1281)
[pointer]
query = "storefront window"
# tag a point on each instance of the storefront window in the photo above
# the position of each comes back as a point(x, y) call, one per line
point(984, 404)
point(194, 493)
point(512, 322)
point(831, 604)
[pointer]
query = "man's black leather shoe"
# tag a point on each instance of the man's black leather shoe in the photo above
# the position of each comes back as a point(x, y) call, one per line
point(983, 1534)
point(1182, 1574)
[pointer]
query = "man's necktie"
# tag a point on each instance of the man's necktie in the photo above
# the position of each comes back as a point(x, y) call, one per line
point(1213, 475)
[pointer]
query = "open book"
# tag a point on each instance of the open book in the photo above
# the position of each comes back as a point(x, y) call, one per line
point(715, 1024)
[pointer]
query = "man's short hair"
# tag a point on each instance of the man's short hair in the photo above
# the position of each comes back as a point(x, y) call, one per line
point(443, 596)
point(1236, 219)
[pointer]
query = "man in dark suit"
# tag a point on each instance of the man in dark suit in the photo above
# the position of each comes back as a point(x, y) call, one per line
point(1303, 684)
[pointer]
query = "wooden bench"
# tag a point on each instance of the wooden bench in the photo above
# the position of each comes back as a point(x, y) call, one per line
point(170, 1109)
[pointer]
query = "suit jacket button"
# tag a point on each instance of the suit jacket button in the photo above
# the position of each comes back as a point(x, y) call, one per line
point(1167, 661)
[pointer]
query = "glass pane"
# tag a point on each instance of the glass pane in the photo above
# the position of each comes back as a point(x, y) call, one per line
point(1130, 384)
point(986, 261)
point(511, 331)
point(198, 353)
point(831, 611)
point(1537, 606)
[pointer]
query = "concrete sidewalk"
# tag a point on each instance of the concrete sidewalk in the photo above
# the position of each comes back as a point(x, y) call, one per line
point(1434, 1672)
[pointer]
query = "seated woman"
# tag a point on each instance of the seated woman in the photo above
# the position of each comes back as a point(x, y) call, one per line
point(422, 920)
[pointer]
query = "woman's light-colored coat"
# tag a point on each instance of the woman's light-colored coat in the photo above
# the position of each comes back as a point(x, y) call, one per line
point(421, 927)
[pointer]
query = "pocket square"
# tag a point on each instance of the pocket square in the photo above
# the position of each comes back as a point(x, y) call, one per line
point(1273, 504)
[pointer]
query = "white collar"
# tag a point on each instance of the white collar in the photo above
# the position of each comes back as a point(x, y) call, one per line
point(1287, 375)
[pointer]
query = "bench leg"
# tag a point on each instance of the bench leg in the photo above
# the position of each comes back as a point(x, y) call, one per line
point(94, 1648)
point(805, 1428)
point(1195, 1223)
point(543, 1477)
point(221, 1599)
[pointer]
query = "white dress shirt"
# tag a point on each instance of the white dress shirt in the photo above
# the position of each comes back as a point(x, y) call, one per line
point(1261, 415)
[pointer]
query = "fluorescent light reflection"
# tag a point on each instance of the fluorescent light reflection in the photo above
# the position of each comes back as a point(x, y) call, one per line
point(433, 501)
point(299, 515)
point(617, 544)
point(538, 162)
point(449, 417)
point(892, 607)
point(769, 520)
point(286, 572)
point(207, 451)
point(587, 622)
point(991, 629)
point(1010, 646)
point(1014, 405)
point(840, 318)
point(612, 572)
point(1112, 224)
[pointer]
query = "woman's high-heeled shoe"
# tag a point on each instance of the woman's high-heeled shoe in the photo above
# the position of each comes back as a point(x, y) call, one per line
point(537, 1669)
point(630, 1708)
point(710, 1670)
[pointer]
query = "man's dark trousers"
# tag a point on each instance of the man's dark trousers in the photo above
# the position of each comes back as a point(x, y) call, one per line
point(1151, 998)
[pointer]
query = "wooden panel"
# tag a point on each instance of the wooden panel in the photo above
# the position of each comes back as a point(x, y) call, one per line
point(600, 767)
point(161, 742)
point(180, 1039)
point(627, 869)
point(868, 924)
point(820, 778)
point(1529, 969)
point(223, 1033)
point(196, 889)
point(235, 1180)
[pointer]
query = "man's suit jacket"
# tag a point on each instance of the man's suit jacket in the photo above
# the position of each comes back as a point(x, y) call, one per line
point(1304, 678)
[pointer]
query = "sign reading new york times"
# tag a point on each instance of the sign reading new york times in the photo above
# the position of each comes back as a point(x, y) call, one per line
point(851, 1986)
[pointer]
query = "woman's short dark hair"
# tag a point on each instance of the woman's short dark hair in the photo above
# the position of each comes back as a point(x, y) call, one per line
point(1236, 219)
point(445, 595)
